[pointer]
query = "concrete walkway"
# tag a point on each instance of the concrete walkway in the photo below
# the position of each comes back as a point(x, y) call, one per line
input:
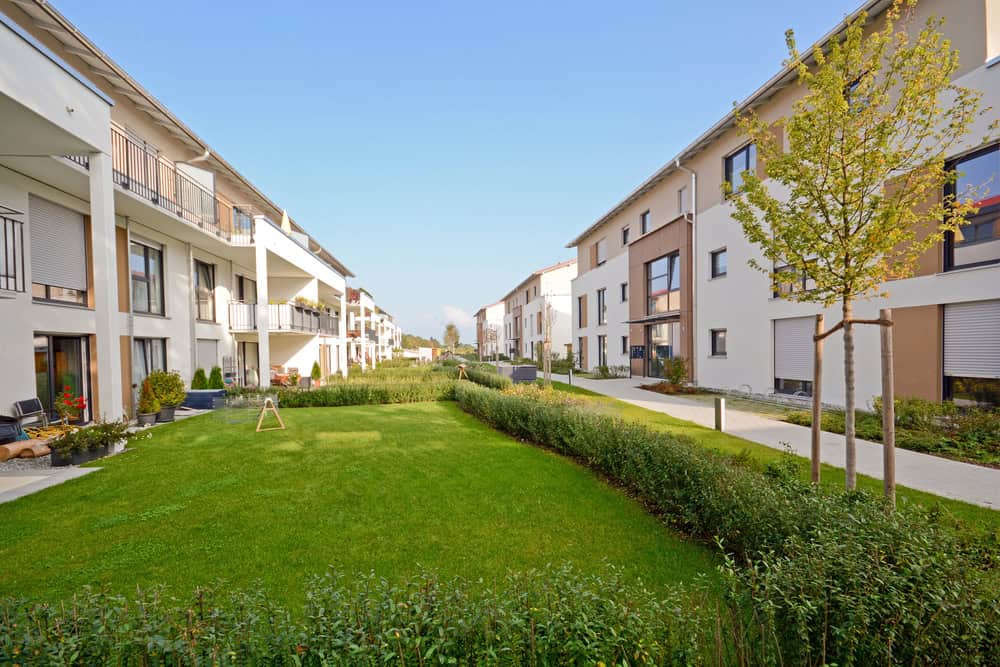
point(952, 479)
point(17, 484)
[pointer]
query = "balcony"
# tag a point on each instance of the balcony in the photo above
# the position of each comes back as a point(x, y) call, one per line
point(11, 255)
point(291, 317)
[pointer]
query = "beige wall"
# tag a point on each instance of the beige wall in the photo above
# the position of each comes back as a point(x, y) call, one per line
point(917, 339)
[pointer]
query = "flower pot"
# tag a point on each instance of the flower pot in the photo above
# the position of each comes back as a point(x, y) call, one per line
point(166, 414)
point(147, 419)
point(60, 459)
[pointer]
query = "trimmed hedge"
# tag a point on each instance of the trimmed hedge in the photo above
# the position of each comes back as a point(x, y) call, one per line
point(548, 617)
point(814, 578)
point(368, 393)
point(490, 379)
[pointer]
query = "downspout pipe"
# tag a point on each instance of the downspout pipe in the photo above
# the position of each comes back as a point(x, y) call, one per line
point(692, 219)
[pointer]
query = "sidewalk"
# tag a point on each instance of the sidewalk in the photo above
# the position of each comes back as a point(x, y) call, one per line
point(952, 479)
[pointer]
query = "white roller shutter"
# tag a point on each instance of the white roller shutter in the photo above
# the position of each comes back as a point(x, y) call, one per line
point(793, 348)
point(58, 245)
point(972, 339)
point(208, 353)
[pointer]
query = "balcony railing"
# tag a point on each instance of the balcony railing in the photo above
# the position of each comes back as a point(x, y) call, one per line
point(11, 255)
point(283, 317)
point(143, 171)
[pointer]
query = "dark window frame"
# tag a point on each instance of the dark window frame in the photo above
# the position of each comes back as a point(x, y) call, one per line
point(749, 154)
point(714, 264)
point(990, 213)
point(673, 268)
point(145, 278)
point(624, 292)
point(644, 222)
point(83, 301)
point(602, 306)
point(715, 335)
point(625, 345)
point(210, 291)
point(626, 232)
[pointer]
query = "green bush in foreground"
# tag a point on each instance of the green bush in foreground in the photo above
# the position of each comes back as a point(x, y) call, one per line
point(367, 393)
point(548, 617)
point(813, 578)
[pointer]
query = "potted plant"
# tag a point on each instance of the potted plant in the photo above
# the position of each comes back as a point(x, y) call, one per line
point(293, 378)
point(149, 406)
point(168, 388)
point(69, 406)
point(200, 380)
point(215, 379)
point(86, 444)
point(316, 374)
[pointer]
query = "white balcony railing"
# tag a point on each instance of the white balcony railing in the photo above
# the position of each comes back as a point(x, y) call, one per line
point(283, 317)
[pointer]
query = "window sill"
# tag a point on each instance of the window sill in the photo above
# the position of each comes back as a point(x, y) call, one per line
point(61, 304)
point(972, 267)
point(718, 356)
point(155, 316)
point(718, 277)
point(201, 321)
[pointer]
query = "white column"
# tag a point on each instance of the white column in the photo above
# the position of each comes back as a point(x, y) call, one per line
point(263, 311)
point(363, 338)
point(103, 248)
point(342, 348)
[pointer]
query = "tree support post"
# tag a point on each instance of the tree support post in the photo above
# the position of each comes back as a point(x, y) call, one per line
point(888, 409)
point(817, 400)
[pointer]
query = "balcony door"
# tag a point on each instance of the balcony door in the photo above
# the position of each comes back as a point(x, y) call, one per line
point(60, 362)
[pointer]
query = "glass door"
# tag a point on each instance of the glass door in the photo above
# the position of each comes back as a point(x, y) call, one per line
point(60, 363)
point(661, 345)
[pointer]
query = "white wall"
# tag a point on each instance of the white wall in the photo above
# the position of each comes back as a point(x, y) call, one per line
point(610, 275)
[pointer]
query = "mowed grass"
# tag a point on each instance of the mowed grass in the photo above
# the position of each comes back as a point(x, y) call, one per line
point(394, 489)
point(831, 476)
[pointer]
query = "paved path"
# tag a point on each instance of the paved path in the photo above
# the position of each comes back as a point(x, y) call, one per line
point(953, 479)
point(16, 484)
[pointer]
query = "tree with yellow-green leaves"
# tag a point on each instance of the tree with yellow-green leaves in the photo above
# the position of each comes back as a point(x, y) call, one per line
point(863, 172)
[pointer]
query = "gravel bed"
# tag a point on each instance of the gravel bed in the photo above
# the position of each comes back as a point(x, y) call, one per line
point(42, 463)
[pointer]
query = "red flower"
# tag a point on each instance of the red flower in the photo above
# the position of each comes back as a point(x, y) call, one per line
point(67, 388)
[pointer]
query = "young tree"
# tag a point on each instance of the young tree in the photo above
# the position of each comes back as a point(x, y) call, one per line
point(451, 336)
point(864, 170)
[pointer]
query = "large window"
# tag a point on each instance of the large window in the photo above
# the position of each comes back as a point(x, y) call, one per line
point(783, 286)
point(978, 242)
point(602, 306)
point(204, 287)
point(745, 159)
point(59, 250)
point(663, 284)
point(146, 267)
point(602, 350)
point(719, 263)
point(148, 355)
point(246, 290)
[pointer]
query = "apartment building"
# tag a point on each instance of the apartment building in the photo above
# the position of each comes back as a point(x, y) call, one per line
point(542, 299)
point(388, 334)
point(129, 245)
point(490, 330)
point(673, 247)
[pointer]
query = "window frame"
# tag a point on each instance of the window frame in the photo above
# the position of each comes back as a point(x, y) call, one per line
point(82, 302)
point(644, 222)
point(602, 350)
point(602, 306)
point(987, 213)
point(147, 249)
point(673, 268)
point(625, 345)
point(713, 263)
point(714, 337)
point(750, 151)
point(624, 292)
point(626, 233)
point(580, 322)
point(198, 288)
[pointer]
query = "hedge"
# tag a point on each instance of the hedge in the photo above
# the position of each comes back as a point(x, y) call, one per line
point(814, 578)
point(490, 379)
point(547, 617)
point(368, 393)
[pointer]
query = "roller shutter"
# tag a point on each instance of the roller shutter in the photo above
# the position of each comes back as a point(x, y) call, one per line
point(207, 350)
point(58, 245)
point(972, 339)
point(793, 348)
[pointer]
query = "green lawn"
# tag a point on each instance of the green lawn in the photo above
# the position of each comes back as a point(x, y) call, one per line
point(832, 477)
point(395, 489)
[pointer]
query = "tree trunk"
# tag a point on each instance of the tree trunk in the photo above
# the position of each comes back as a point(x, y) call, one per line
point(888, 411)
point(850, 447)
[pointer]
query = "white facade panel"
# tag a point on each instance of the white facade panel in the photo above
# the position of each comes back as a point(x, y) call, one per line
point(972, 339)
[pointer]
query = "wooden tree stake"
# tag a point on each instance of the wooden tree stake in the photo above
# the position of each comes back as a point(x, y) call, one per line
point(817, 399)
point(888, 410)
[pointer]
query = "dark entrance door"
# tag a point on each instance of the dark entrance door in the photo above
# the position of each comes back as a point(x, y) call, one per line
point(60, 362)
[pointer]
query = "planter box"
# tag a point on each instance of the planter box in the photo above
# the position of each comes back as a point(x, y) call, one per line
point(77, 458)
point(203, 399)
point(519, 374)
point(165, 415)
point(147, 419)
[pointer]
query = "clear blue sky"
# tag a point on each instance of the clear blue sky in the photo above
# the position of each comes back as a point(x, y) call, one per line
point(444, 150)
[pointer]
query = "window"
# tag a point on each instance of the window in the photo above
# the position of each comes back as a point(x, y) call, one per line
point(978, 242)
point(581, 311)
point(718, 342)
point(971, 354)
point(683, 205)
point(42, 292)
point(602, 306)
point(539, 322)
point(624, 292)
point(601, 252)
point(602, 350)
point(59, 251)
point(579, 352)
point(625, 234)
point(148, 355)
point(745, 159)
point(719, 263)
point(531, 322)
point(204, 287)
point(527, 296)
point(146, 267)
point(536, 290)
point(644, 222)
point(625, 345)
point(784, 287)
point(663, 284)
point(246, 289)
point(793, 355)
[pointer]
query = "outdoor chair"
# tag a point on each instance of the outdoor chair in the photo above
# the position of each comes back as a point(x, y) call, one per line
point(31, 411)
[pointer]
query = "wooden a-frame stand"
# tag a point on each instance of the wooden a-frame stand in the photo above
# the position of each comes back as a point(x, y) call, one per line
point(269, 407)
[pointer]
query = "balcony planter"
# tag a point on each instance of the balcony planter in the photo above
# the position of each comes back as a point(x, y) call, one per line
point(166, 414)
point(203, 399)
point(147, 419)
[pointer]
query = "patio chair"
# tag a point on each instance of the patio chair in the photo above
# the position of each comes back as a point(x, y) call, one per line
point(31, 411)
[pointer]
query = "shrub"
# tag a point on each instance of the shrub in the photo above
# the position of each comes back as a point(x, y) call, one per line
point(554, 616)
point(148, 403)
point(199, 381)
point(316, 373)
point(822, 572)
point(562, 366)
point(675, 370)
point(168, 387)
point(215, 379)
point(489, 379)
point(101, 434)
point(367, 393)
point(606, 372)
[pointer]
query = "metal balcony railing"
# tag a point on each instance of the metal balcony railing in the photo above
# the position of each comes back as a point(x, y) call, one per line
point(283, 317)
point(143, 171)
point(12, 255)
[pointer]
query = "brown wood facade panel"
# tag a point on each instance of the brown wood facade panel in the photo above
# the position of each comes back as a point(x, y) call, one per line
point(121, 261)
point(673, 237)
point(918, 348)
point(125, 346)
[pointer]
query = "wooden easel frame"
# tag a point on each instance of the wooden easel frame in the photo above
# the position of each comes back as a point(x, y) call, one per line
point(269, 407)
point(461, 372)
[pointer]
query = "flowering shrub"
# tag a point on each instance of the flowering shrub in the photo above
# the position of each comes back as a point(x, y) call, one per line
point(70, 406)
